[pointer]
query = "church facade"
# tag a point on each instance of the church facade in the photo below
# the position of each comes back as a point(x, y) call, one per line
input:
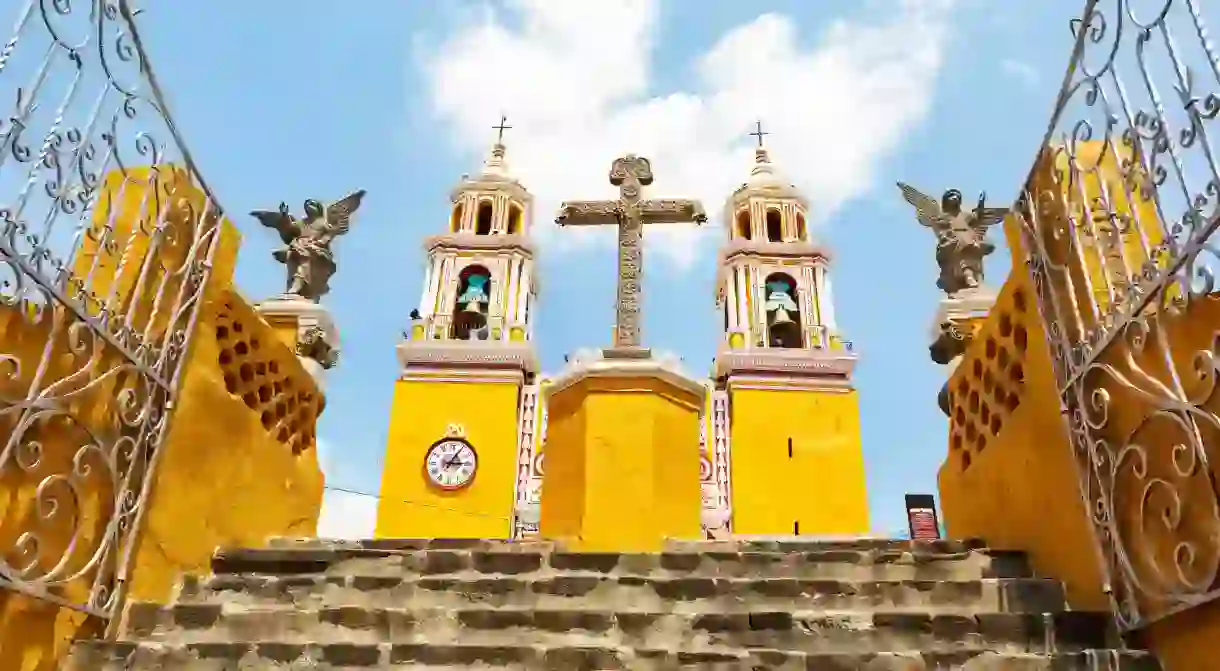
point(779, 433)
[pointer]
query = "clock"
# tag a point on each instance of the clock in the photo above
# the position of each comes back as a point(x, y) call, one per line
point(451, 464)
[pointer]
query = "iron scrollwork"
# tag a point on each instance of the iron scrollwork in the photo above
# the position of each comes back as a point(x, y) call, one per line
point(104, 256)
point(1118, 220)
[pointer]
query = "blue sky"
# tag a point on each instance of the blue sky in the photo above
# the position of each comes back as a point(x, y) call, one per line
point(287, 100)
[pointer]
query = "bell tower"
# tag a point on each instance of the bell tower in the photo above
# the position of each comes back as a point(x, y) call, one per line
point(787, 416)
point(466, 363)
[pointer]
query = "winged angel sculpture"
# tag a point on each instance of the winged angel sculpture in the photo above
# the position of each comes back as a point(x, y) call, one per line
point(307, 252)
point(961, 235)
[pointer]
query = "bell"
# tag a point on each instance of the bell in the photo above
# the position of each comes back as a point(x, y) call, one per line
point(473, 306)
point(781, 317)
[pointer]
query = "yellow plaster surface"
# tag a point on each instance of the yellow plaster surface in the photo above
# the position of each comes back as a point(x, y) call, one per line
point(240, 462)
point(1011, 475)
point(224, 477)
point(622, 464)
point(820, 489)
point(410, 506)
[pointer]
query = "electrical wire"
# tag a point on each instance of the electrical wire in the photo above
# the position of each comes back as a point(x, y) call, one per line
point(411, 502)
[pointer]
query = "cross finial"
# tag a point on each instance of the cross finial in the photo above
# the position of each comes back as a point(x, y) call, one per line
point(758, 133)
point(500, 129)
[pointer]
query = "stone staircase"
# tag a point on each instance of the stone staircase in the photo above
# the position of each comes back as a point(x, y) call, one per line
point(869, 605)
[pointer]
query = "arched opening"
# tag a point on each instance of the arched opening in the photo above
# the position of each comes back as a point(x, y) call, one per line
point(743, 225)
point(482, 223)
point(800, 227)
point(470, 308)
point(514, 219)
point(726, 315)
point(783, 312)
point(775, 231)
point(455, 219)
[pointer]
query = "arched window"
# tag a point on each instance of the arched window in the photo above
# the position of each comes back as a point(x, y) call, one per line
point(743, 225)
point(514, 219)
point(783, 311)
point(455, 219)
point(800, 228)
point(482, 223)
point(775, 231)
point(472, 302)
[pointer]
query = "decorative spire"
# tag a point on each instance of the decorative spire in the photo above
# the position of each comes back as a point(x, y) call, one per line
point(764, 178)
point(763, 172)
point(495, 167)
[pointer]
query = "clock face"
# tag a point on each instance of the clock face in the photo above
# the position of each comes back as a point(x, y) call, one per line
point(451, 464)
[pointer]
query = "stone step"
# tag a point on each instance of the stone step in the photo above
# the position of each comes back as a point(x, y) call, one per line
point(739, 544)
point(676, 593)
point(801, 631)
point(813, 564)
point(102, 656)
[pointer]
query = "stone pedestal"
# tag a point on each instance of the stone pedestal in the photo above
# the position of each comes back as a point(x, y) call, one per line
point(306, 328)
point(622, 454)
point(958, 318)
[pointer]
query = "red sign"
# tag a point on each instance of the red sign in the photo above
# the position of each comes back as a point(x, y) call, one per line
point(921, 517)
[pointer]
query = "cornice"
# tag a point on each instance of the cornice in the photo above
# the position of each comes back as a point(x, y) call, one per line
point(470, 241)
point(586, 365)
point(770, 190)
point(766, 250)
point(787, 362)
point(485, 184)
point(830, 385)
point(484, 354)
point(455, 374)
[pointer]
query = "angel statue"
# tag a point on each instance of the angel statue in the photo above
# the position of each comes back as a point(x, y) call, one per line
point(961, 235)
point(307, 253)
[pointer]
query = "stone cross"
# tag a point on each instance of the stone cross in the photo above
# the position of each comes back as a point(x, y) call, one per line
point(630, 213)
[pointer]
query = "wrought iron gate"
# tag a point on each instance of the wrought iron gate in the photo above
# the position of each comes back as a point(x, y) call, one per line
point(104, 257)
point(1119, 216)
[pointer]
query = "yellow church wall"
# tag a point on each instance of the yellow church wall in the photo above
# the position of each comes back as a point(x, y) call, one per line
point(240, 460)
point(622, 470)
point(1183, 641)
point(1097, 180)
point(822, 486)
point(1009, 476)
point(35, 634)
point(253, 485)
point(564, 482)
point(421, 411)
point(1013, 478)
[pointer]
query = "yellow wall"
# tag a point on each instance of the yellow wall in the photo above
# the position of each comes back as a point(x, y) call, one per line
point(1185, 641)
point(240, 463)
point(1012, 476)
point(822, 486)
point(255, 484)
point(562, 512)
point(410, 506)
point(622, 465)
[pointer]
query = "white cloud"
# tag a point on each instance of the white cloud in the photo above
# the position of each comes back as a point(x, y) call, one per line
point(574, 78)
point(1021, 71)
point(344, 514)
